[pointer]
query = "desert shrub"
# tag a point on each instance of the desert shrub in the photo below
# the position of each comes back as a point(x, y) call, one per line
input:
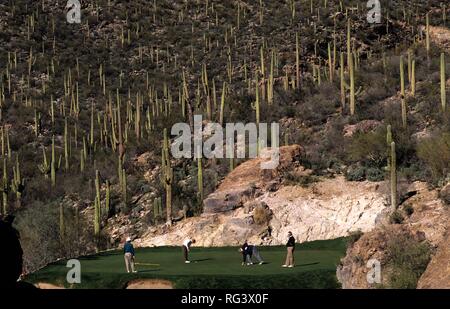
point(368, 148)
point(294, 179)
point(262, 214)
point(396, 217)
point(41, 241)
point(435, 153)
point(375, 174)
point(354, 236)
point(408, 259)
point(355, 173)
point(317, 108)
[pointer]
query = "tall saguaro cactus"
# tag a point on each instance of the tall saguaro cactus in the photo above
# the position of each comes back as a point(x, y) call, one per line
point(200, 179)
point(402, 93)
point(18, 183)
point(97, 212)
point(352, 86)
point(393, 170)
point(53, 164)
point(427, 34)
point(342, 77)
point(297, 61)
point(443, 81)
point(388, 143)
point(167, 176)
point(5, 188)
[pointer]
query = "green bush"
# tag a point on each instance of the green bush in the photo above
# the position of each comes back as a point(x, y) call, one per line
point(354, 236)
point(435, 153)
point(375, 174)
point(408, 259)
point(356, 173)
point(369, 149)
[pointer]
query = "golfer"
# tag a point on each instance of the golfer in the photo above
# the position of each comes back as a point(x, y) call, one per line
point(186, 248)
point(129, 255)
point(290, 246)
point(248, 252)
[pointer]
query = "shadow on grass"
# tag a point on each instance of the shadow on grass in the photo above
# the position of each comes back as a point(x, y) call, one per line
point(309, 264)
point(202, 260)
point(148, 270)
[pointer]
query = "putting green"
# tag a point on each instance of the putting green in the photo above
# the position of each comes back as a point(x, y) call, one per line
point(210, 268)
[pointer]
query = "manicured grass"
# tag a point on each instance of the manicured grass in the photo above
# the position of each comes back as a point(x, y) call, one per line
point(211, 268)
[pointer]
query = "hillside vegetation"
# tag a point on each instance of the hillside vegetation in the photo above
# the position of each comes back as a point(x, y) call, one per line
point(84, 107)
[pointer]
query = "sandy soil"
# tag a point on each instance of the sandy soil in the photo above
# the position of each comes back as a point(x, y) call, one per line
point(149, 284)
point(48, 286)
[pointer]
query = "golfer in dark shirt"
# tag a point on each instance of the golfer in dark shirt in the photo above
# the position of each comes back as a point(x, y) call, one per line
point(248, 252)
point(128, 251)
point(290, 246)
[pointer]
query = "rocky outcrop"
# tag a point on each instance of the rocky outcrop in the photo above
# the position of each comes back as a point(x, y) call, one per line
point(355, 266)
point(249, 180)
point(437, 274)
point(329, 208)
point(429, 222)
point(364, 126)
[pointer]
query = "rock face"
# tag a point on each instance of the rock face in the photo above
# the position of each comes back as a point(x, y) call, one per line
point(437, 274)
point(248, 180)
point(361, 127)
point(327, 209)
point(429, 221)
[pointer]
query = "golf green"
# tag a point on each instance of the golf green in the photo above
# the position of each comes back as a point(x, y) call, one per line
point(210, 268)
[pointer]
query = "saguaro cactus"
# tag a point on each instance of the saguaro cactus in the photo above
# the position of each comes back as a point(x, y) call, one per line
point(167, 176)
point(53, 164)
point(388, 144)
point(157, 211)
point(200, 180)
point(108, 198)
point(5, 188)
point(352, 86)
point(61, 223)
point(297, 61)
point(393, 170)
point(97, 205)
point(18, 183)
point(443, 81)
point(402, 93)
point(66, 146)
point(427, 34)
point(342, 77)
point(413, 78)
point(96, 219)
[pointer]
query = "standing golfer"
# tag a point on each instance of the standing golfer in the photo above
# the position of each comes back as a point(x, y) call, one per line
point(290, 245)
point(186, 248)
point(129, 255)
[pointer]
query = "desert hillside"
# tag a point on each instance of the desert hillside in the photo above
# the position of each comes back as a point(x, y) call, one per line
point(86, 112)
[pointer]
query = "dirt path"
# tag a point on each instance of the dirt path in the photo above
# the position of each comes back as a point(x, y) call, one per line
point(149, 284)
